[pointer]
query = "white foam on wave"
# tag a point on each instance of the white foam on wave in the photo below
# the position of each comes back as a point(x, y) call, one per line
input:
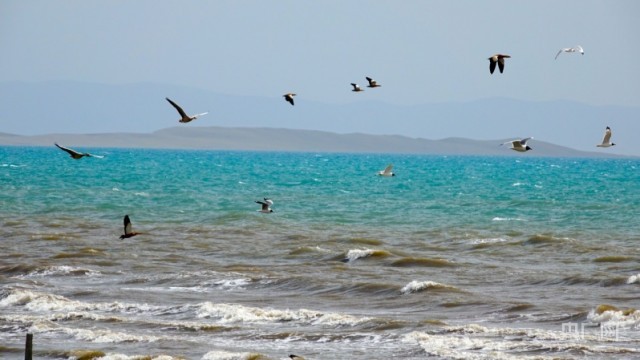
point(616, 318)
point(233, 313)
point(225, 355)
point(114, 356)
point(227, 284)
point(497, 218)
point(358, 254)
point(633, 279)
point(488, 241)
point(103, 335)
point(42, 302)
point(61, 271)
point(417, 286)
point(478, 342)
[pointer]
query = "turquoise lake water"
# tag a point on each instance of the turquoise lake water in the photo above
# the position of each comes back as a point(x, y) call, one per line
point(454, 257)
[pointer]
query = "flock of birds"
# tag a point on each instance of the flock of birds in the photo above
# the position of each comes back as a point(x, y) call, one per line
point(498, 60)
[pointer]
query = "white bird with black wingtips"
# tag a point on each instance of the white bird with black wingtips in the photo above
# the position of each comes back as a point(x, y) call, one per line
point(606, 140)
point(387, 172)
point(356, 87)
point(519, 145)
point(266, 205)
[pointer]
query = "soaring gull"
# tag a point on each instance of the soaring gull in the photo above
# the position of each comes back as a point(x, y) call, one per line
point(184, 118)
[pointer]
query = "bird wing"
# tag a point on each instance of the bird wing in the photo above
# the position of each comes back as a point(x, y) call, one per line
point(289, 98)
point(371, 81)
point(198, 115)
point(500, 64)
point(607, 136)
point(492, 65)
point(524, 141)
point(180, 111)
point(268, 201)
point(388, 169)
point(70, 151)
point(265, 206)
point(579, 48)
point(559, 52)
point(96, 156)
point(127, 225)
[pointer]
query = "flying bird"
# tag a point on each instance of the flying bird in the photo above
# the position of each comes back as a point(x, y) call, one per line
point(606, 140)
point(184, 118)
point(372, 83)
point(356, 87)
point(127, 229)
point(75, 154)
point(387, 171)
point(296, 357)
point(289, 97)
point(497, 59)
point(577, 48)
point(266, 205)
point(519, 145)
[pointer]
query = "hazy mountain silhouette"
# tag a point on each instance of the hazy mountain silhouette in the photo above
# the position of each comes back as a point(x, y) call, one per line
point(87, 108)
point(272, 139)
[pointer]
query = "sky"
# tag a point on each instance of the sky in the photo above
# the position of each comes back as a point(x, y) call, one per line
point(420, 51)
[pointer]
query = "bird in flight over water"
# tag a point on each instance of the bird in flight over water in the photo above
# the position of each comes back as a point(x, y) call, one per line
point(266, 205)
point(75, 154)
point(519, 145)
point(356, 87)
point(578, 48)
point(606, 140)
point(184, 118)
point(127, 229)
point(387, 171)
point(289, 97)
point(497, 59)
point(372, 83)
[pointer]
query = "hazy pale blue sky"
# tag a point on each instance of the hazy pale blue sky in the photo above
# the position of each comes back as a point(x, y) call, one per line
point(422, 52)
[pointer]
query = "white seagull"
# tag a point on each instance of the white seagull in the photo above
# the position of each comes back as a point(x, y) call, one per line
point(519, 145)
point(266, 205)
point(184, 118)
point(75, 154)
point(606, 140)
point(372, 83)
point(578, 48)
point(356, 87)
point(387, 171)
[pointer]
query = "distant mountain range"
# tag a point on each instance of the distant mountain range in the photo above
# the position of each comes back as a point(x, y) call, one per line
point(271, 139)
point(134, 111)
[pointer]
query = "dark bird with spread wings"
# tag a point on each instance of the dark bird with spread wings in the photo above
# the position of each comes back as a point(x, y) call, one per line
point(128, 232)
point(289, 97)
point(75, 154)
point(497, 59)
point(184, 118)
